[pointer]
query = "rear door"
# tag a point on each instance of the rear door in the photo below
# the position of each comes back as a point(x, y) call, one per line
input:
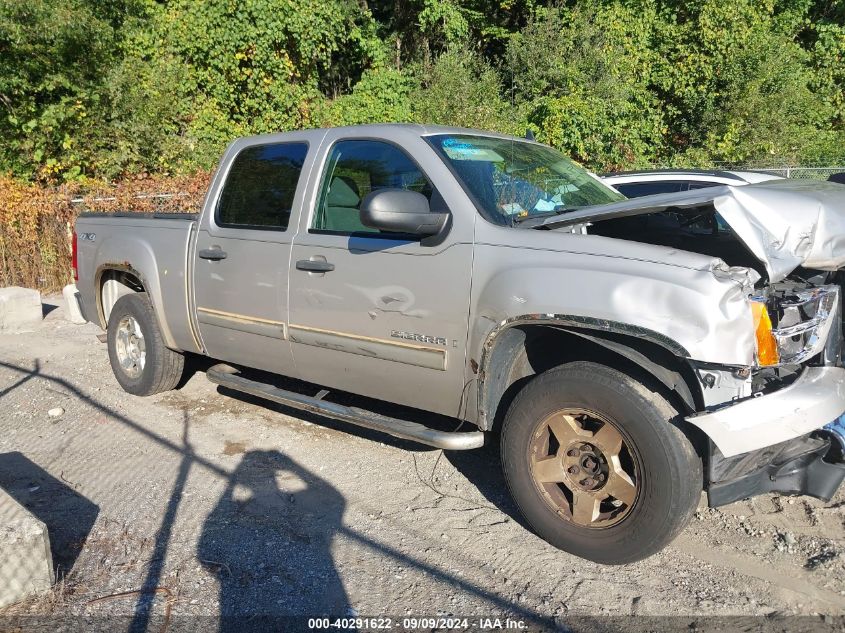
point(243, 253)
point(380, 314)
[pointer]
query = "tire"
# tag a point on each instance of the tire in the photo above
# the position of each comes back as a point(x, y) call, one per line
point(617, 508)
point(148, 365)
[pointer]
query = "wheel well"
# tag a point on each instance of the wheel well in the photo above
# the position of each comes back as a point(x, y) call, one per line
point(114, 284)
point(523, 351)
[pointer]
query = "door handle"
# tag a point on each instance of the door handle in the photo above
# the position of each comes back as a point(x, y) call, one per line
point(213, 254)
point(314, 266)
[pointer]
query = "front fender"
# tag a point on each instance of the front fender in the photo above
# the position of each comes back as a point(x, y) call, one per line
point(693, 312)
point(690, 307)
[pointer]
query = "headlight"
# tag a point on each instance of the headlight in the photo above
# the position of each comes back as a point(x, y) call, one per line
point(802, 321)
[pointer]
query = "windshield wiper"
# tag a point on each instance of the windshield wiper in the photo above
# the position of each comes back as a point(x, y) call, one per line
point(542, 216)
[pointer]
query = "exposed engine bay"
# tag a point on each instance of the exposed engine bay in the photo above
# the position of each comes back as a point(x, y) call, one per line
point(800, 308)
point(785, 238)
point(697, 230)
point(774, 228)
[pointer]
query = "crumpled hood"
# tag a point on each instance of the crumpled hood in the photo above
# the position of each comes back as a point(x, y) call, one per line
point(784, 223)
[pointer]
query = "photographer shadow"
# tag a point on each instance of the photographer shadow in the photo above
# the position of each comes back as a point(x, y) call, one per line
point(268, 540)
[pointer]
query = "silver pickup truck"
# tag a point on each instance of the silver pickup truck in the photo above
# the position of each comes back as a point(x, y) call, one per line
point(628, 354)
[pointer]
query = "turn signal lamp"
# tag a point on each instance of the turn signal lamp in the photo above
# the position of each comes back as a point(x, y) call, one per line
point(767, 347)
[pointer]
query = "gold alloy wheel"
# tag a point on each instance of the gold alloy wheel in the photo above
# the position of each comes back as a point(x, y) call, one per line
point(584, 468)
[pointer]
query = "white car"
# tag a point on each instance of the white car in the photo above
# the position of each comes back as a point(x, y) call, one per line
point(635, 184)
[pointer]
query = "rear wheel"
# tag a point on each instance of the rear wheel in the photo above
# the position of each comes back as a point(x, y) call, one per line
point(596, 465)
point(141, 362)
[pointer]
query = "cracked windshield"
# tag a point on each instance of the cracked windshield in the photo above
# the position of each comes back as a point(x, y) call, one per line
point(512, 181)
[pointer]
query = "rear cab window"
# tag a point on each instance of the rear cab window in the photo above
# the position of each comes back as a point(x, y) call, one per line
point(260, 187)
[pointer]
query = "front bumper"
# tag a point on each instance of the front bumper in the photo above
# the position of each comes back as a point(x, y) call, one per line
point(815, 398)
point(807, 465)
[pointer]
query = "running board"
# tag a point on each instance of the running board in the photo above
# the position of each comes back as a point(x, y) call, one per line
point(228, 377)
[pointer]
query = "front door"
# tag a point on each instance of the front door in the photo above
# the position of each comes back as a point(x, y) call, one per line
point(374, 313)
point(243, 255)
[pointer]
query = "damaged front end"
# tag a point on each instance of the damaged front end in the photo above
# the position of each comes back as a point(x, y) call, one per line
point(777, 423)
point(807, 465)
point(794, 322)
point(775, 434)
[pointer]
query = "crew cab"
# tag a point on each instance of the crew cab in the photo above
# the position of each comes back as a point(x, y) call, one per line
point(627, 354)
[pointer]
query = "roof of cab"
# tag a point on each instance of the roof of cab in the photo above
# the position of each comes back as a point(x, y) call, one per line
point(379, 129)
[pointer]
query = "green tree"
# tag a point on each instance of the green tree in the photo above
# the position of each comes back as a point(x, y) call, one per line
point(52, 57)
point(113, 87)
point(581, 78)
point(380, 96)
point(737, 85)
point(260, 61)
point(209, 72)
point(461, 89)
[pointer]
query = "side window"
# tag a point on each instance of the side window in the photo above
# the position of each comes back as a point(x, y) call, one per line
point(354, 169)
point(260, 186)
point(640, 189)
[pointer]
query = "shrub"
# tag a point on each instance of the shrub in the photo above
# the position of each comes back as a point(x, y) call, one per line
point(36, 222)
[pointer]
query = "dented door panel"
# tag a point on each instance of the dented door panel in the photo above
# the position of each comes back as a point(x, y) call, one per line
point(389, 319)
point(388, 322)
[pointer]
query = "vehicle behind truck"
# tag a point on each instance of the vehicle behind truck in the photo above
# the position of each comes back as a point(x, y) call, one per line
point(627, 355)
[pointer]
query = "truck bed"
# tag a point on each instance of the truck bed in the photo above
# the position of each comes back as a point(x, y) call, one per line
point(158, 244)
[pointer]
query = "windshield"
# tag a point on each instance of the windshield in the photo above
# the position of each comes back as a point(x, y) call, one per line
point(512, 181)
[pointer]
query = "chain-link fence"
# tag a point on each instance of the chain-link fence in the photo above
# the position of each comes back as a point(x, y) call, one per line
point(803, 173)
point(149, 203)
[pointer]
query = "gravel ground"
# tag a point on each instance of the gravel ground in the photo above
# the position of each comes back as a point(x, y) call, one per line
point(196, 503)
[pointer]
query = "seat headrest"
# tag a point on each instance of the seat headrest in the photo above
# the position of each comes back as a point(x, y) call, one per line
point(342, 193)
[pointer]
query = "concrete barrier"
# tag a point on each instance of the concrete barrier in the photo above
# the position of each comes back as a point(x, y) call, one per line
point(20, 309)
point(26, 564)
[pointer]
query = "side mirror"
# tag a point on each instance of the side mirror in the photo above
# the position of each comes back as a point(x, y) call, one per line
point(401, 211)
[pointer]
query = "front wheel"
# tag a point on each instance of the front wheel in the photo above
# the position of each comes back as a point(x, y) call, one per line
point(596, 466)
point(141, 362)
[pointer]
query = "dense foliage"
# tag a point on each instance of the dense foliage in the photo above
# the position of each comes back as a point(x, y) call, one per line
point(36, 221)
point(109, 88)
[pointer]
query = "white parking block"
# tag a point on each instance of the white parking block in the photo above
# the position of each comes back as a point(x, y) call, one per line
point(26, 564)
point(20, 309)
